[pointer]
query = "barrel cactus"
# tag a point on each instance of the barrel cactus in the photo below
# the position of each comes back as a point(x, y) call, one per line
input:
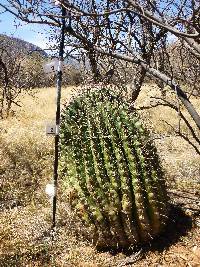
point(111, 171)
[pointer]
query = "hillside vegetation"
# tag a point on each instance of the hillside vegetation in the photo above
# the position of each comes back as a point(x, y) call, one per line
point(20, 45)
point(26, 156)
point(23, 68)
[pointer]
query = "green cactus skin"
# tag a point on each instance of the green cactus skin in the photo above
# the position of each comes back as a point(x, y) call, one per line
point(110, 164)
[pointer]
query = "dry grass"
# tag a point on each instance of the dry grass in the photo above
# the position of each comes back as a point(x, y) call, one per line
point(26, 152)
point(180, 160)
point(26, 156)
point(156, 118)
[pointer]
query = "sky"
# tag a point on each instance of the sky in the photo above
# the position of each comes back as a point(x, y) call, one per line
point(32, 33)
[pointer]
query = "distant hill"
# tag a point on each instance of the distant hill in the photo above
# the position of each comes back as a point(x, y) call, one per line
point(20, 45)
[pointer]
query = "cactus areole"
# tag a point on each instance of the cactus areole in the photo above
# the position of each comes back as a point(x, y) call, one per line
point(111, 171)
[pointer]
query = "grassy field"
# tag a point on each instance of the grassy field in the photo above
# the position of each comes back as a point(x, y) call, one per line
point(26, 166)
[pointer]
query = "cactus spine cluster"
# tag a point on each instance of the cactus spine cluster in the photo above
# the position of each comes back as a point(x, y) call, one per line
point(111, 171)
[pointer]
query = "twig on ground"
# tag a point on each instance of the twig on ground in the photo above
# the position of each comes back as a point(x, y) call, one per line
point(131, 259)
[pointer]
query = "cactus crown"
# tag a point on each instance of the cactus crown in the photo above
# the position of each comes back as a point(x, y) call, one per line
point(111, 171)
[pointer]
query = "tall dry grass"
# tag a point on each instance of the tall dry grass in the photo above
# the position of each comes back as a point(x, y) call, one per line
point(26, 153)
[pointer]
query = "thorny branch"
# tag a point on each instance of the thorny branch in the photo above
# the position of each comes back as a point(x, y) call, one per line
point(166, 103)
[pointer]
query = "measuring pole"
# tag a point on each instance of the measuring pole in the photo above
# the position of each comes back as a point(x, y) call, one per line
point(58, 96)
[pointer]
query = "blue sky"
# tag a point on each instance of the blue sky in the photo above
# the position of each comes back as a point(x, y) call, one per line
point(29, 32)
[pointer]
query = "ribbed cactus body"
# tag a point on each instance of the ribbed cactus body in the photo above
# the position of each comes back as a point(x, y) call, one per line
point(111, 171)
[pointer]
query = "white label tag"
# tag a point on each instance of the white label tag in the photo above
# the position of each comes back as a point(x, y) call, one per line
point(50, 190)
point(60, 65)
point(57, 129)
point(51, 129)
point(51, 67)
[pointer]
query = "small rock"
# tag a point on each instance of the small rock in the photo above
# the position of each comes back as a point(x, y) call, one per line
point(197, 222)
point(188, 212)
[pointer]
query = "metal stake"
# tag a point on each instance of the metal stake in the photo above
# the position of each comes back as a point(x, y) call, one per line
point(58, 87)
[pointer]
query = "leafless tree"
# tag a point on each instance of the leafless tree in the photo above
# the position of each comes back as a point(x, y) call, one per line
point(19, 73)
